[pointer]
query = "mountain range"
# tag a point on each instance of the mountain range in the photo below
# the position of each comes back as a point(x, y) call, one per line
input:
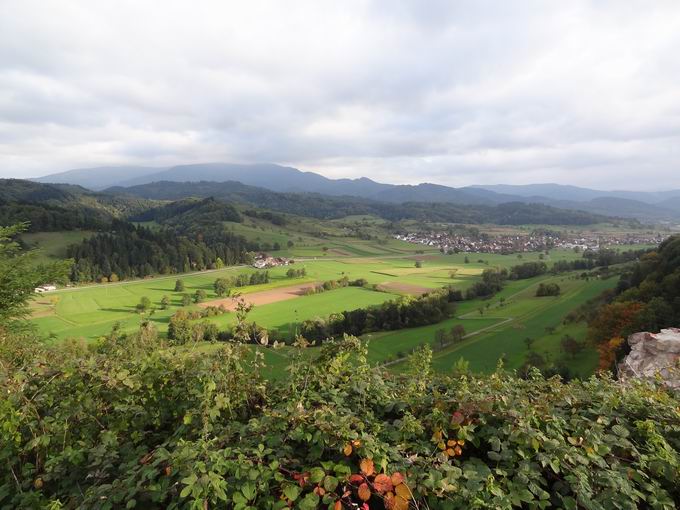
point(646, 206)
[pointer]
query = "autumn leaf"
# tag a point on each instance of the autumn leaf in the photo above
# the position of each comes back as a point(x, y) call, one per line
point(347, 450)
point(367, 467)
point(356, 478)
point(403, 491)
point(382, 483)
point(397, 478)
point(457, 418)
point(400, 503)
point(338, 505)
point(364, 492)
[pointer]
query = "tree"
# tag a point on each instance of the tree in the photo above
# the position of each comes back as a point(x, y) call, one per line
point(165, 302)
point(467, 259)
point(440, 337)
point(186, 299)
point(20, 274)
point(143, 305)
point(179, 286)
point(548, 289)
point(290, 243)
point(200, 295)
point(419, 263)
point(529, 342)
point(457, 333)
point(221, 287)
point(571, 346)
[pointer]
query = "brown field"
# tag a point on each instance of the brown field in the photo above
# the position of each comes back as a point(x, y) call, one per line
point(404, 288)
point(264, 297)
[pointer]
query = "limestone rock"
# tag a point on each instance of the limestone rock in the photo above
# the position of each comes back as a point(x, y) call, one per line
point(653, 355)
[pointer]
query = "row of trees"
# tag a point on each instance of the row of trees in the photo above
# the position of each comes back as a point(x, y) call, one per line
point(402, 313)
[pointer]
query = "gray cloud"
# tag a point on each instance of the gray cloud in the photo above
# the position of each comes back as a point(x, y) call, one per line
point(452, 92)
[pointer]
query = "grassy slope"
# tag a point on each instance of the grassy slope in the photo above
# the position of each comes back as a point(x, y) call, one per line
point(531, 316)
point(52, 245)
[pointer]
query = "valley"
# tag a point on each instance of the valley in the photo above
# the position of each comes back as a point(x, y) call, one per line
point(90, 312)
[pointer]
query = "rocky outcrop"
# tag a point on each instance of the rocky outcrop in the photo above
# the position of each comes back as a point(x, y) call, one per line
point(653, 355)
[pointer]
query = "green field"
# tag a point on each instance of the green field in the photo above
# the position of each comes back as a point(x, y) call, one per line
point(529, 317)
point(52, 246)
point(90, 312)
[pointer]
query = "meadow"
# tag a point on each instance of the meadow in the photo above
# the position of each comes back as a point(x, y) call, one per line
point(393, 267)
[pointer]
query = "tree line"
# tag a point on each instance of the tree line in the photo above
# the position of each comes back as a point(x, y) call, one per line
point(130, 251)
point(647, 298)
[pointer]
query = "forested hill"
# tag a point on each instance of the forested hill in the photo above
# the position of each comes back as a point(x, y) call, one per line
point(330, 207)
point(54, 207)
point(647, 298)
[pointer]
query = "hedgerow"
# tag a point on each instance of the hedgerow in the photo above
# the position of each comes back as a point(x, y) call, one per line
point(133, 423)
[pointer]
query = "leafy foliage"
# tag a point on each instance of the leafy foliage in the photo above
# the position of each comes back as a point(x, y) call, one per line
point(135, 423)
point(647, 299)
point(19, 275)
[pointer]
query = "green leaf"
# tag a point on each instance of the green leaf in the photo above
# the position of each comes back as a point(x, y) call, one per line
point(248, 490)
point(316, 474)
point(620, 431)
point(330, 483)
point(310, 502)
point(291, 492)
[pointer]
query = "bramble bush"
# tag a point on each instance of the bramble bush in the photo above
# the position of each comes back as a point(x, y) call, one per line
point(134, 423)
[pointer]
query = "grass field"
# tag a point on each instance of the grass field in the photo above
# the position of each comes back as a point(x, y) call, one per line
point(52, 245)
point(530, 316)
point(90, 312)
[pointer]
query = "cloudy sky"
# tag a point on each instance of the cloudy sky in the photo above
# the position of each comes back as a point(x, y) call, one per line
point(586, 93)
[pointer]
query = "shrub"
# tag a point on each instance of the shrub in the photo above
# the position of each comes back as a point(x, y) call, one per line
point(133, 421)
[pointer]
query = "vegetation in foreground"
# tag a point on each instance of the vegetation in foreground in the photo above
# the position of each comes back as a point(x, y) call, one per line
point(134, 424)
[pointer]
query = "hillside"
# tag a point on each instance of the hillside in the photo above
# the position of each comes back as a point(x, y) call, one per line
point(98, 178)
point(52, 207)
point(648, 206)
point(329, 207)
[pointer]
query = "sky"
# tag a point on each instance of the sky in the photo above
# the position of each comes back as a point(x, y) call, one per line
point(452, 92)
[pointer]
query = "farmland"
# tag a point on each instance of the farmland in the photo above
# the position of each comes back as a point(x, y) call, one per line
point(391, 269)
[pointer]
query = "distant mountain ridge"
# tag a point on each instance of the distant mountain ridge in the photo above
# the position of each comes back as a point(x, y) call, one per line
point(648, 206)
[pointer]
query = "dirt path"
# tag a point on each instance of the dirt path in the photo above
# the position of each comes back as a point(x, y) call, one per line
point(264, 297)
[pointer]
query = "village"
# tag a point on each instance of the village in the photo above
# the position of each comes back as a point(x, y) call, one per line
point(505, 244)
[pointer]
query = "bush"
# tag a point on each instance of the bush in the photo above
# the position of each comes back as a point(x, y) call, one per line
point(134, 423)
point(548, 289)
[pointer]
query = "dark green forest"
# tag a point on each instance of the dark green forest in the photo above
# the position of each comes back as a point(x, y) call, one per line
point(329, 207)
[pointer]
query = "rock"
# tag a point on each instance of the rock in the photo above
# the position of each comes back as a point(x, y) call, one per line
point(653, 355)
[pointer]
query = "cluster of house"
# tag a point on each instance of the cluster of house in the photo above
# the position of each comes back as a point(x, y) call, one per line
point(264, 261)
point(45, 288)
point(525, 243)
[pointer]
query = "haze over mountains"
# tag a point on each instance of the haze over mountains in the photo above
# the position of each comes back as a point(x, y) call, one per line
point(648, 206)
